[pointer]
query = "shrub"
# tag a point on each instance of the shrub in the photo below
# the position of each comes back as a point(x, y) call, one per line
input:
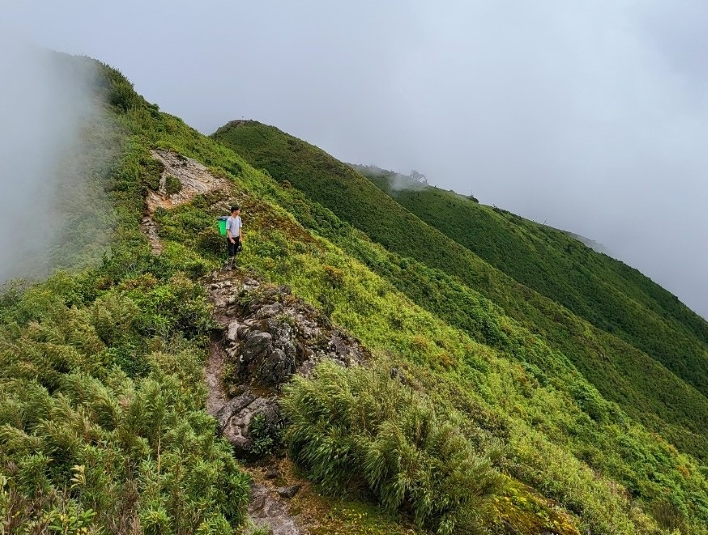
point(265, 436)
point(211, 242)
point(358, 430)
point(151, 172)
point(172, 185)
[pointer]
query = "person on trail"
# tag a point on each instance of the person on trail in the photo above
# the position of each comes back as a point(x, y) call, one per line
point(234, 235)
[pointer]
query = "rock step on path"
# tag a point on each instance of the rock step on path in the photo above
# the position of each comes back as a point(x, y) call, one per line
point(269, 510)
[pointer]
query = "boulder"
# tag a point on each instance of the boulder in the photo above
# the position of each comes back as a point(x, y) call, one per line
point(288, 492)
point(256, 345)
point(276, 368)
point(236, 415)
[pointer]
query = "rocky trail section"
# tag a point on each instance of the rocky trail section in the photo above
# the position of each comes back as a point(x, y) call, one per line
point(194, 178)
point(267, 336)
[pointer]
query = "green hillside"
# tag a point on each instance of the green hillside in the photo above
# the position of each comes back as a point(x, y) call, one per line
point(608, 293)
point(487, 407)
point(623, 371)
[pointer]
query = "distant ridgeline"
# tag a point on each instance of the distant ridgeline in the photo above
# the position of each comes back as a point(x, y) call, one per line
point(519, 382)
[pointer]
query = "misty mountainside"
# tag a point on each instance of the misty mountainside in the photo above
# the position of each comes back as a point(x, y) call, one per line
point(608, 293)
point(484, 401)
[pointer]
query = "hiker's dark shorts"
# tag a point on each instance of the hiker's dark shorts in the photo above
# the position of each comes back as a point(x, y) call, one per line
point(233, 247)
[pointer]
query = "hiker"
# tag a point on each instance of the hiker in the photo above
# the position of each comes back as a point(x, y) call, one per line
point(234, 235)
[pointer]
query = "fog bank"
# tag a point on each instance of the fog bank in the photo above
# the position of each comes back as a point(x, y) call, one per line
point(590, 115)
point(48, 173)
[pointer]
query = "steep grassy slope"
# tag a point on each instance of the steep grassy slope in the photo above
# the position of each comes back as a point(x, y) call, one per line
point(102, 426)
point(531, 409)
point(102, 421)
point(620, 370)
point(608, 293)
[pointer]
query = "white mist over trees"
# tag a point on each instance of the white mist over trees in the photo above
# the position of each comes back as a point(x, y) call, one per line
point(51, 199)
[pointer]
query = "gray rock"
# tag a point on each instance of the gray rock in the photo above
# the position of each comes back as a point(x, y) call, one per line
point(236, 415)
point(256, 344)
point(276, 368)
point(270, 513)
point(250, 284)
point(268, 311)
point(272, 473)
point(397, 374)
point(305, 369)
point(288, 492)
point(242, 331)
point(232, 331)
point(234, 406)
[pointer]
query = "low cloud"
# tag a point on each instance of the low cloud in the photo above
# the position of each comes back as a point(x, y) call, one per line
point(52, 206)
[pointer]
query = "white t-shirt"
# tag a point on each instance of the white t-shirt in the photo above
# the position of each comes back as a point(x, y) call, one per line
point(234, 225)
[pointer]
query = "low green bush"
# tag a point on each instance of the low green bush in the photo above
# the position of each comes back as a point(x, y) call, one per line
point(265, 437)
point(101, 414)
point(172, 185)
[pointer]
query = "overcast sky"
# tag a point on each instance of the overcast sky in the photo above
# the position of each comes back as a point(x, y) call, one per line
point(591, 115)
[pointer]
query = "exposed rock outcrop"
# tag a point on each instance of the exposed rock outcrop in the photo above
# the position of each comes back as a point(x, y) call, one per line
point(193, 176)
point(268, 335)
point(236, 416)
point(194, 179)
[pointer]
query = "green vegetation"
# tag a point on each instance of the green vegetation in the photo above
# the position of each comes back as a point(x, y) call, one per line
point(355, 430)
point(102, 427)
point(172, 185)
point(495, 396)
point(264, 440)
point(606, 292)
point(488, 407)
point(549, 343)
point(447, 278)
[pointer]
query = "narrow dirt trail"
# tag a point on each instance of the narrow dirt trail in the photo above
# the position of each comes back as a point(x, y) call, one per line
point(261, 345)
point(269, 505)
point(213, 375)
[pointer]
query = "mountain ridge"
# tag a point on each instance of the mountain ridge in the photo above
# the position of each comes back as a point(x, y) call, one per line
point(485, 406)
point(280, 157)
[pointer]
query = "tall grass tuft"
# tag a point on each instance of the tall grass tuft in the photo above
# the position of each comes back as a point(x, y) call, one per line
point(359, 431)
